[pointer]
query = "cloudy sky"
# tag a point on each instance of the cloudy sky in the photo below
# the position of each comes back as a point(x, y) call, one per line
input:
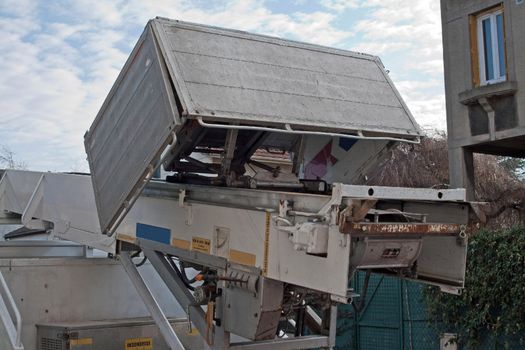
point(59, 58)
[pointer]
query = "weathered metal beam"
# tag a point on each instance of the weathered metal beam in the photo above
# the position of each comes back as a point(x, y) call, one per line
point(151, 304)
point(308, 342)
point(187, 139)
point(178, 289)
point(245, 152)
point(229, 150)
point(402, 228)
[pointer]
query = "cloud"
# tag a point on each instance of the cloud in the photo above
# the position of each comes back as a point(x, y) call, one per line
point(17, 7)
point(250, 15)
point(425, 100)
point(60, 58)
point(340, 5)
point(407, 35)
point(403, 25)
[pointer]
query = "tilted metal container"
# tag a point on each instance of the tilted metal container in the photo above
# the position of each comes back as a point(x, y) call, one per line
point(183, 77)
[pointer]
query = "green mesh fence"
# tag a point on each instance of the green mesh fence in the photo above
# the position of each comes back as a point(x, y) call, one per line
point(395, 317)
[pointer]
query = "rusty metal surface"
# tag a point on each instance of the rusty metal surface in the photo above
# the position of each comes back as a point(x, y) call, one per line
point(432, 229)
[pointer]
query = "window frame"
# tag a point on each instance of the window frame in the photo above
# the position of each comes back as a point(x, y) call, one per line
point(478, 48)
point(492, 16)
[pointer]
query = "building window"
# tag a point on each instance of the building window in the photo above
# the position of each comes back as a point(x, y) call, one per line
point(488, 47)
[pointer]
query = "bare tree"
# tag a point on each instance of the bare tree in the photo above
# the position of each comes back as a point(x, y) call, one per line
point(7, 159)
point(426, 165)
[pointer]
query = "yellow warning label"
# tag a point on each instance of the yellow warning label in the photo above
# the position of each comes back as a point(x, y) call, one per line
point(242, 257)
point(193, 332)
point(200, 244)
point(139, 344)
point(81, 341)
point(181, 243)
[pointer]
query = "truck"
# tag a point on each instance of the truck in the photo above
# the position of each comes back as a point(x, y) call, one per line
point(236, 165)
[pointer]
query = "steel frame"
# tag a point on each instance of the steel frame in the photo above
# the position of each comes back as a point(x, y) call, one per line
point(151, 304)
point(10, 315)
point(157, 253)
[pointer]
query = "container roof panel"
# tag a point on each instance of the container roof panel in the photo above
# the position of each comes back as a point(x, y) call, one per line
point(229, 75)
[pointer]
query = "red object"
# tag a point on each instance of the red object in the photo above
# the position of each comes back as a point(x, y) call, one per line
point(318, 166)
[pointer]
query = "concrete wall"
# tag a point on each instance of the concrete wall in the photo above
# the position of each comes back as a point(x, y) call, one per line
point(463, 96)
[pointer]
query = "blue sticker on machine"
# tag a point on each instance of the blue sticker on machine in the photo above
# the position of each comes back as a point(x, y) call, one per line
point(154, 233)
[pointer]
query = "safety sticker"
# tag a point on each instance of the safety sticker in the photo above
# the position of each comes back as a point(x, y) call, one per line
point(242, 257)
point(181, 243)
point(139, 344)
point(80, 342)
point(201, 244)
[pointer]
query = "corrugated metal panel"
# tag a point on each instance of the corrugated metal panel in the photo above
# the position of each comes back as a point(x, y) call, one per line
point(231, 75)
point(133, 126)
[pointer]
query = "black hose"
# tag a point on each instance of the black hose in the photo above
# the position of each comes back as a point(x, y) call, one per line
point(142, 262)
point(182, 276)
point(183, 272)
point(362, 298)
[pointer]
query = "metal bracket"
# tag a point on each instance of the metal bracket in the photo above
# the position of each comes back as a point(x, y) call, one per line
point(177, 288)
point(229, 150)
point(151, 304)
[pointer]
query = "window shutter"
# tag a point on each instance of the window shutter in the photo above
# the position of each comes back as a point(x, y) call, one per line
point(474, 54)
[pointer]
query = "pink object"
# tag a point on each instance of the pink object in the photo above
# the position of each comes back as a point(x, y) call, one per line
point(318, 166)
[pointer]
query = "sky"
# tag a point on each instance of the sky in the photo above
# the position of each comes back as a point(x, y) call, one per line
point(59, 58)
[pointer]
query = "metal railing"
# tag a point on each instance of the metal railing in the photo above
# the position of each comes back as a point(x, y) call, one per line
point(8, 311)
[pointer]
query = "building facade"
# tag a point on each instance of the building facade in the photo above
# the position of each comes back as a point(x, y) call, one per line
point(484, 55)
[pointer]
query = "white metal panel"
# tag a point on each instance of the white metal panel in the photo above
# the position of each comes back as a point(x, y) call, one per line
point(247, 234)
point(76, 290)
point(352, 165)
point(403, 193)
point(16, 188)
point(443, 259)
point(68, 201)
